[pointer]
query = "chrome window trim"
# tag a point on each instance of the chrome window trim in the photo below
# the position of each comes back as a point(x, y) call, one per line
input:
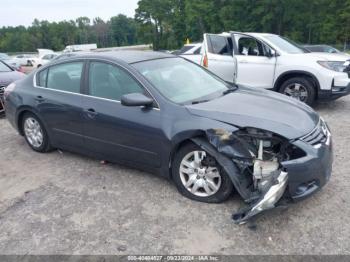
point(101, 98)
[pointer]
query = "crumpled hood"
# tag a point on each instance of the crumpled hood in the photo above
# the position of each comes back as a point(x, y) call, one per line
point(267, 110)
point(7, 78)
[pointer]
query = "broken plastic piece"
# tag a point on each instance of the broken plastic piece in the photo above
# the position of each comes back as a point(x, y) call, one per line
point(268, 201)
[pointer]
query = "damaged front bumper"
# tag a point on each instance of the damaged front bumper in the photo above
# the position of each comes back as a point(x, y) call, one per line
point(295, 179)
point(267, 202)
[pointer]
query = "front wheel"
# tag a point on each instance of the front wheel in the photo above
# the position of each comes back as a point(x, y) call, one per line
point(198, 176)
point(299, 88)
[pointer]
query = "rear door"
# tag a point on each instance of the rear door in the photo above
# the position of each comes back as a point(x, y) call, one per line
point(59, 101)
point(254, 65)
point(217, 56)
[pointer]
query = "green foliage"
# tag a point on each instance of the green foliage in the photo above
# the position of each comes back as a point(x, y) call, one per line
point(119, 30)
point(168, 23)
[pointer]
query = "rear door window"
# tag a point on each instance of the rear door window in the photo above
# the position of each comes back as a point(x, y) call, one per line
point(64, 77)
point(219, 45)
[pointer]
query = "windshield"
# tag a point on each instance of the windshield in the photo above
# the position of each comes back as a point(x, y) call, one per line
point(285, 44)
point(4, 68)
point(181, 81)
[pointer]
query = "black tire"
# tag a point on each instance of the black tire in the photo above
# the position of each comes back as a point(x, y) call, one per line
point(224, 191)
point(305, 83)
point(45, 145)
point(2, 109)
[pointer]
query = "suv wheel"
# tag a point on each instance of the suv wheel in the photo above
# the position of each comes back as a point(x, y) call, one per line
point(299, 88)
point(199, 177)
point(35, 133)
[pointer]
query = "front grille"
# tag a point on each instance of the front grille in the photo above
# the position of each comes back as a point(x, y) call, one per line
point(347, 68)
point(318, 135)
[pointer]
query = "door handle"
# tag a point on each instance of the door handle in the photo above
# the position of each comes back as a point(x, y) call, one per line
point(244, 62)
point(39, 99)
point(91, 113)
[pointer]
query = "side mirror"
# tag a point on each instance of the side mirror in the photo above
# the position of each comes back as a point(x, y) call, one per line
point(271, 53)
point(136, 99)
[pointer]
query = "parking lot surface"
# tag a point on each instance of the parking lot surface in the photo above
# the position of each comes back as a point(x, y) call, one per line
point(62, 203)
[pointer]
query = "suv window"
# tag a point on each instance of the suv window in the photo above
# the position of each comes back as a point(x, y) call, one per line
point(250, 47)
point(64, 77)
point(111, 82)
point(220, 45)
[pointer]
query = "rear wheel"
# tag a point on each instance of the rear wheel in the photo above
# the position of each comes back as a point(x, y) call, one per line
point(198, 176)
point(299, 88)
point(35, 133)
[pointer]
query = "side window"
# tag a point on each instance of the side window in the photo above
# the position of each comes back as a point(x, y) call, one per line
point(111, 82)
point(47, 57)
point(42, 78)
point(65, 77)
point(250, 47)
point(219, 45)
point(197, 51)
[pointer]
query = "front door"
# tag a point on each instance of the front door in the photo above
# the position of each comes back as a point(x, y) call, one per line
point(255, 67)
point(113, 131)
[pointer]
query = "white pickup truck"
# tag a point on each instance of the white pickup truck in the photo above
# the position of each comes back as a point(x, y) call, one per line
point(272, 62)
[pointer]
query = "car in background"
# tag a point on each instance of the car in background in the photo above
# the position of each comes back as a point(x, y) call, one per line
point(273, 62)
point(164, 114)
point(79, 48)
point(190, 52)
point(23, 59)
point(9, 61)
point(194, 48)
point(68, 55)
point(7, 76)
point(44, 59)
point(323, 49)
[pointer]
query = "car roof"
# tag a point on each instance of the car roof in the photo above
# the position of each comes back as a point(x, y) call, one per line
point(128, 56)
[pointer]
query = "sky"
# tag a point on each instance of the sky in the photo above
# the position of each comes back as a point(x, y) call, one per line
point(23, 12)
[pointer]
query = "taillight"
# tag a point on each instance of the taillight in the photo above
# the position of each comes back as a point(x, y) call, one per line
point(205, 60)
point(9, 89)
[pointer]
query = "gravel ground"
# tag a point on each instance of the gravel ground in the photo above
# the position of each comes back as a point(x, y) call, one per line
point(62, 203)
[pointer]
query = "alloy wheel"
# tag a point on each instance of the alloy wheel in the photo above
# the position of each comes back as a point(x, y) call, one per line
point(33, 132)
point(297, 91)
point(202, 181)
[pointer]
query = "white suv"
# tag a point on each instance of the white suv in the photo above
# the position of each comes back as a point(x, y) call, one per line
point(273, 62)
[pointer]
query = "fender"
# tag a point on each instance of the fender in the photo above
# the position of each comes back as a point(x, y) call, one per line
point(33, 111)
point(229, 167)
point(282, 76)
